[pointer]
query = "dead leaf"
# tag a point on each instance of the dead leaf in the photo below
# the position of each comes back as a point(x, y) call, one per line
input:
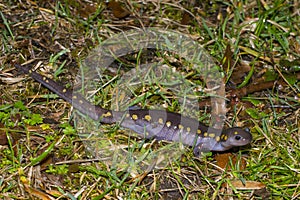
point(223, 161)
point(117, 10)
point(3, 138)
point(186, 18)
point(248, 185)
point(32, 191)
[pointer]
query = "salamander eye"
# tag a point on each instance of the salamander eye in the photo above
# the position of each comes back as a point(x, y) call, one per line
point(237, 137)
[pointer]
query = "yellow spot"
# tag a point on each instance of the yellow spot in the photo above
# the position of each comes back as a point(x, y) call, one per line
point(45, 79)
point(180, 126)
point(80, 101)
point(168, 124)
point(161, 121)
point(205, 134)
point(127, 115)
point(235, 133)
point(74, 97)
point(30, 71)
point(64, 90)
point(134, 117)
point(217, 138)
point(212, 135)
point(147, 117)
point(188, 129)
point(225, 137)
point(108, 114)
point(199, 131)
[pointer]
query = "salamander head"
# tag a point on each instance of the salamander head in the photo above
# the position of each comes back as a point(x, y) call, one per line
point(234, 137)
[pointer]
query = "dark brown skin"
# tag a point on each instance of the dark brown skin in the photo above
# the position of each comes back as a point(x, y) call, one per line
point(157, 124)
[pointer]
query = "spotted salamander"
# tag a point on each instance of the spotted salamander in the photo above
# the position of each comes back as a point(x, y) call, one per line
point(157, 124)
